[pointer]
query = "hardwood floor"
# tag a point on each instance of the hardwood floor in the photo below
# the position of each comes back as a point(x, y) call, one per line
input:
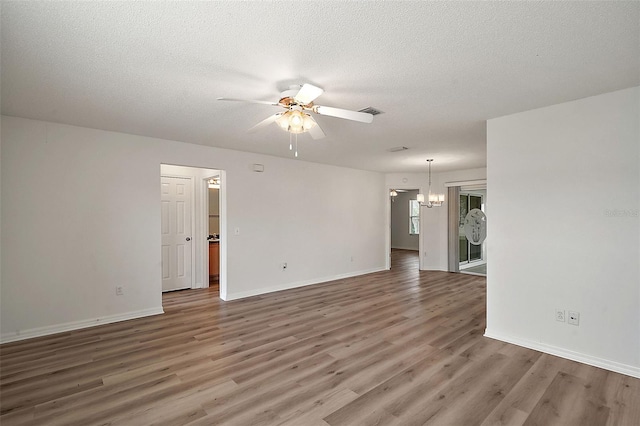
point(399, 347)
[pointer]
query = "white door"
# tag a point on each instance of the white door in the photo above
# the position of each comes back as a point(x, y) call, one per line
point(176, 233)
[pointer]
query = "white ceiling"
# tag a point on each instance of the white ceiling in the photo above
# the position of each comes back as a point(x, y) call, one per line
point(438, 70)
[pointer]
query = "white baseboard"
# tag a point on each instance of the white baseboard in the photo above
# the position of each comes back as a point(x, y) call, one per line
point(405, 248)
point(76, 325)
point(288, 286)
point(617, 367)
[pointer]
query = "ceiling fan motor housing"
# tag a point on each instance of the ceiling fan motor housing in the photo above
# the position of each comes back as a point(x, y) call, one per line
point(297, 101)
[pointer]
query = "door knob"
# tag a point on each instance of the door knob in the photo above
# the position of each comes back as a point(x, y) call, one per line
point(188, 238)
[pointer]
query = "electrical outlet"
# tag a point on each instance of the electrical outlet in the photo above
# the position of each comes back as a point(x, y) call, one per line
point(284, 266)
point(560, 315)
point(119, 290)
point(236, 231)
point(574, 318)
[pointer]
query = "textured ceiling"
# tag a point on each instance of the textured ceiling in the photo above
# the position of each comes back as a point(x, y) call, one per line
point(438, 70)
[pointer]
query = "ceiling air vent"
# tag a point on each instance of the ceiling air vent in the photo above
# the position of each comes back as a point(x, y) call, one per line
point(370, 110)
point(398, 149)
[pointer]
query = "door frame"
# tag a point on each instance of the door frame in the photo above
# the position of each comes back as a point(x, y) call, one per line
point(199, 223)
point(193, 221)
point(222, 195)
point(388, 227)
point(204, 230)
point(452, 232)
point(470, 193)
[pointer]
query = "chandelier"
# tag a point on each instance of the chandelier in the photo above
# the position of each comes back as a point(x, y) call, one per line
point(433, 199)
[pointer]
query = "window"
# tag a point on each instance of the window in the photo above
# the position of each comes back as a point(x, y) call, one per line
point(414, 217)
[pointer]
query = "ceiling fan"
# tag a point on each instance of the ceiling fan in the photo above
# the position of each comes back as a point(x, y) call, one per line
point(297, 101)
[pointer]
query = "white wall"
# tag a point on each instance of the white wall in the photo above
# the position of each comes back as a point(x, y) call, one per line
point(400, 237)
point(81, 214)
point(564, 229)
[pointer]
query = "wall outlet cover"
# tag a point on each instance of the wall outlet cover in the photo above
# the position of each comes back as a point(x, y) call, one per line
point(574, 318)
point(560, 315)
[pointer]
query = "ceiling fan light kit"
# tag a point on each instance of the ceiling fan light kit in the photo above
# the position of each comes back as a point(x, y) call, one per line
point(296, 120)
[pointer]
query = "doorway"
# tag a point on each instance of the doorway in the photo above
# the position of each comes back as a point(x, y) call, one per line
point(471, 250)
point(467, 227)
point(185, 228)
point(213, 226)
point(404, 228)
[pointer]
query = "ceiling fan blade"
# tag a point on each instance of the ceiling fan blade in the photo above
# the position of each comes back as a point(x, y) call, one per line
point(307, 93)
point(362, 117)
point(251, 101)
point(316, 132)
point(265, 122)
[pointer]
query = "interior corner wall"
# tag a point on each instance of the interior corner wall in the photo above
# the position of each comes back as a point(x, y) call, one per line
point(564, 229)
point(81, 215)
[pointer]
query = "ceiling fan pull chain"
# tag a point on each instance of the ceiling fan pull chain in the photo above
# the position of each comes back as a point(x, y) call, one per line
point(296, 145)
point(290, 143)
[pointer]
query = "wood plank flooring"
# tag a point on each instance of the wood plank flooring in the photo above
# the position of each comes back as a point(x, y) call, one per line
point(399, 347)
